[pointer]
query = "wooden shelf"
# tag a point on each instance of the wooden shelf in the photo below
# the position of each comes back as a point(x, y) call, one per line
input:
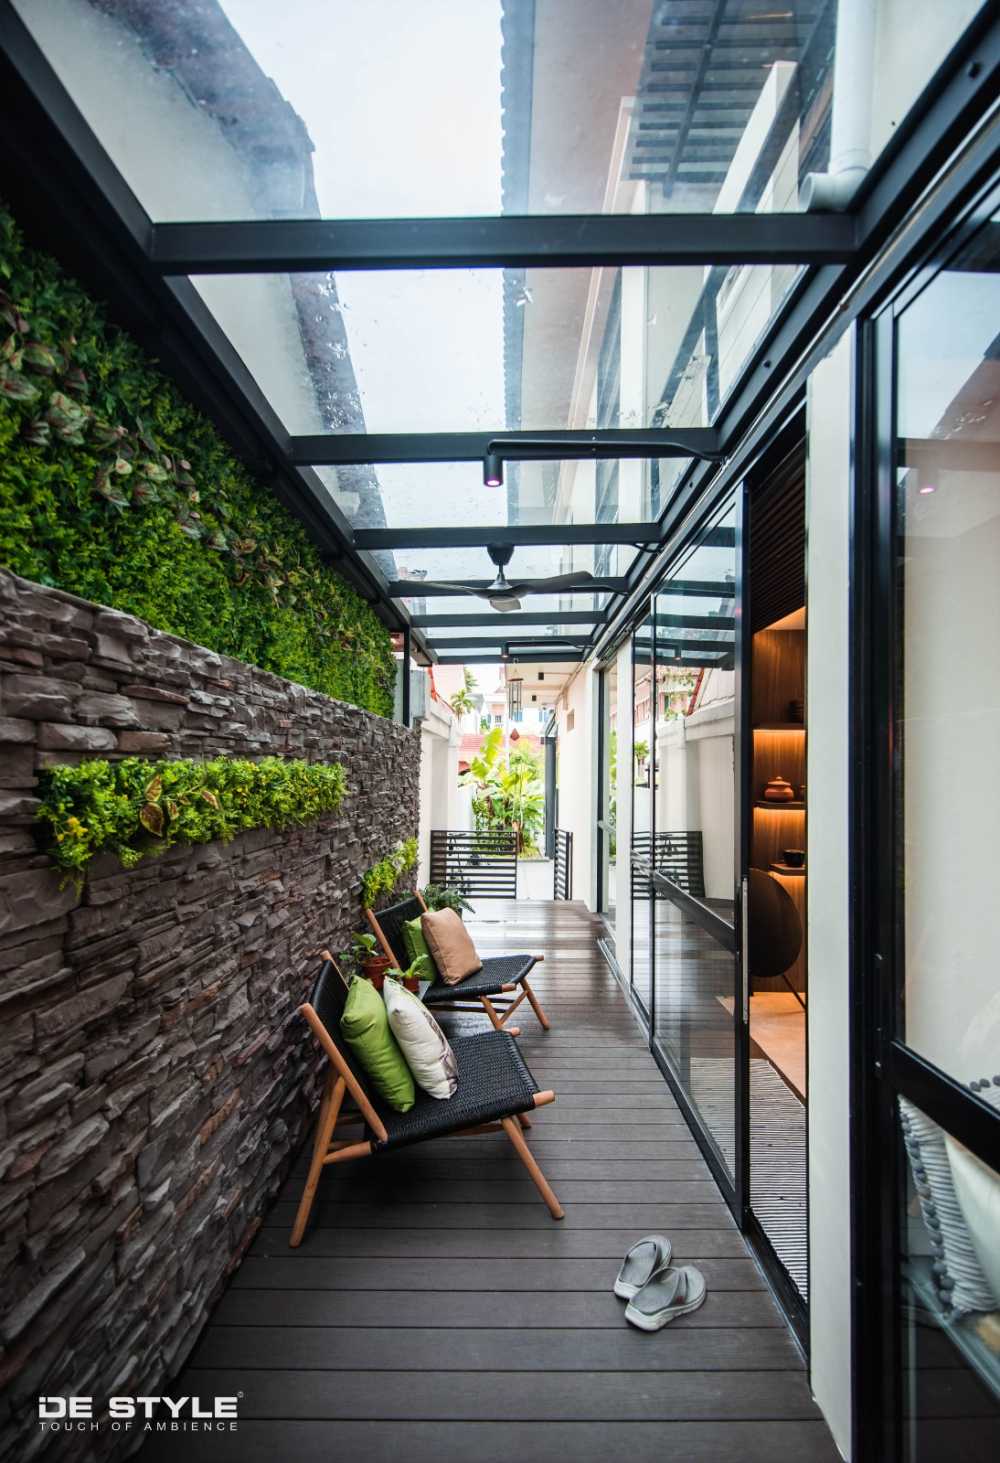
point(788, 871)
point(796, 806)
point(782, 726)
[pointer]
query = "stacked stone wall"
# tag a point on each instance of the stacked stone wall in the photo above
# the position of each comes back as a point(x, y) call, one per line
point(155, 1079)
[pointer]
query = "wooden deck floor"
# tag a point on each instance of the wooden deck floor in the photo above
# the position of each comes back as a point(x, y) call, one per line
point(436, 1314)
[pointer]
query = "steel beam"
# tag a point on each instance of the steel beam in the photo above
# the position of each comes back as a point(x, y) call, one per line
point(516, 617)
point(265, 246)
point(542, 643)
point(518, 658)
point(517, 533)
point(336, 449)
point(413, 589)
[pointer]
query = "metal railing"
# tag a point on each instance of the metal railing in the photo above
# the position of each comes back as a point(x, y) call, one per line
point(479, 865)
point(562, 865)
point(678, 856)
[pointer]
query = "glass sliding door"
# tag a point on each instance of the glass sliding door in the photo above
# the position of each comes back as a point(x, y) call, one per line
point(642, 774)
point(937, 552)
point(692, 851)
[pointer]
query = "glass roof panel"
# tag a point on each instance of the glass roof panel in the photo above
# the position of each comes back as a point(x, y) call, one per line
point(527, 562)
point(231, 109)
point(431, 494)
point(457, 350)
point(493, 634)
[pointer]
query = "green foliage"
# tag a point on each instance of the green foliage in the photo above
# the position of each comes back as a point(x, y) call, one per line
point(383, 877)
point(439, 896)
point(363, 945)
point(462, 701)
point(509, 793)
point(114, 487)
point(135, 808)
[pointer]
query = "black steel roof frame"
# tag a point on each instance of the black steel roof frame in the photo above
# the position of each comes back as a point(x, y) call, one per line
point(500, 533)
point(220, 380)
point(285, 246)
point(517, 617)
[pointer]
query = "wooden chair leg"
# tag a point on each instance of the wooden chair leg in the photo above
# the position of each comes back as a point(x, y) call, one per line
point(536, 1006)
point(328, 1112)
point(524, 1120)
point(498, 1025)
point(526, 1156)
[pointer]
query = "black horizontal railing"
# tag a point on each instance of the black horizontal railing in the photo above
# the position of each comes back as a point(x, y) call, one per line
point(562, 866)
point(677, 856)
point(480, 865)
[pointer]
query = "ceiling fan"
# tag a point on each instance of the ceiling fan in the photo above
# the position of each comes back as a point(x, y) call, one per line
point(505, 596)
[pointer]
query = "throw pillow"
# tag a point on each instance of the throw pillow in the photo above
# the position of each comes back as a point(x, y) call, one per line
point(956, 1272)
point(424, 1045)
point(365, 1027)
point(417, 951)
point(450, 945)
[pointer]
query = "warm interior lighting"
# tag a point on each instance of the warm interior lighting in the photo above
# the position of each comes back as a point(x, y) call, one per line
point(492, 470)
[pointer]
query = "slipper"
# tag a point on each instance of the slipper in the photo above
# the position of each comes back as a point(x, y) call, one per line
point(668, 1294)
point(647, 1255)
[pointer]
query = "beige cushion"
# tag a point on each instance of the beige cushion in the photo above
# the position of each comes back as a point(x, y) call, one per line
point(450, 945)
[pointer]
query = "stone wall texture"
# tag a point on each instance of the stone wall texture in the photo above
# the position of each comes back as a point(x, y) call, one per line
point(155, 1079)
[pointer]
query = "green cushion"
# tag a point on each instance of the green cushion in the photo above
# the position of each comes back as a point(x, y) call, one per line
point(417, 949)
point(365, 1028)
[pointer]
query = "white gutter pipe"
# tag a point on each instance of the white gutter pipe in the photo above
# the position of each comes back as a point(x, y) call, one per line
point(851, 124)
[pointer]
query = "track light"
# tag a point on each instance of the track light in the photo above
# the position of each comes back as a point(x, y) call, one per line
point(493, 470)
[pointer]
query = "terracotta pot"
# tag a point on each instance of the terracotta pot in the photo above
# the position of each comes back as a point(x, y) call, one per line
point(779, 790)
point(374, 969)
point(412, 983)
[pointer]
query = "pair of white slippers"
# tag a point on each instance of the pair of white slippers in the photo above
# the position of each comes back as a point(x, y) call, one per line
point(657, 1292)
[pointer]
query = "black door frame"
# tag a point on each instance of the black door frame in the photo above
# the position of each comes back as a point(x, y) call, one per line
point(883, 1067)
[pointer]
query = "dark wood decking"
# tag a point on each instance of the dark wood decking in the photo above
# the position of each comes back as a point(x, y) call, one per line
point(436, 1312)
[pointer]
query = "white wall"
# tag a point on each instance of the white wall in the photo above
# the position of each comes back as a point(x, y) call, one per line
point(578, 778)
point(697, 788)
point(623, 863)
point(828, 519)
point(440, 795)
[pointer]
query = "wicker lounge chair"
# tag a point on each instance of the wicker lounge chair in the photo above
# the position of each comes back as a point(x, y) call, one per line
point(499, 977)
point(495, 1092)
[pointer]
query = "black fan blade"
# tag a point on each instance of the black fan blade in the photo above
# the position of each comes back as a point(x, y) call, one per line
point(580, 579)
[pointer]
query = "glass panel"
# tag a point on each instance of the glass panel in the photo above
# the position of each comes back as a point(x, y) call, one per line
point(438, 350)
point(528, 562)
point(493, 634)
point(420, 495)
point(950, 1297)
point(642, 812)
point(948, 706)
point(245, 109)
point(695, 732)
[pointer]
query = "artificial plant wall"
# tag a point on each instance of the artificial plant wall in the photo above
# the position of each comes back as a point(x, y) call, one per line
point(114, 487)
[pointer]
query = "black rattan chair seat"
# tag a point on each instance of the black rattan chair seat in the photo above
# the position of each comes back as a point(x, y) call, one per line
point(493, 1082)
point(497, 971)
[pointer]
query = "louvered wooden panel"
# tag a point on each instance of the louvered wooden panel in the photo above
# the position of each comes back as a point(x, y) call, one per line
point(778, 542)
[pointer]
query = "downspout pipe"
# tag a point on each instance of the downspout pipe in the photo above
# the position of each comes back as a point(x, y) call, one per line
point(851, 123)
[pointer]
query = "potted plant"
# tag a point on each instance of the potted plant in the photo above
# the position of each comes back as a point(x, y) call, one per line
point(409, 977)
point(440, 896)
point(373, 965)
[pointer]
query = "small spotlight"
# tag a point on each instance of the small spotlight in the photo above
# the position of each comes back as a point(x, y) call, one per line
point(927, 488)
point(492, 470)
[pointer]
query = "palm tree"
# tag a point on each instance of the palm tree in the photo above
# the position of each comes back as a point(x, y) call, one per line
point(462, 702)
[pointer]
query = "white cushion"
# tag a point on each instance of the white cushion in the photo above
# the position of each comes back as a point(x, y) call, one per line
point(424, 1045)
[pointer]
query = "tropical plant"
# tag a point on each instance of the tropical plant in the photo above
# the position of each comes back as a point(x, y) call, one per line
point(462, 702)
point(363, 945)
point(135, 808)
point(115, 487)
point(640, 752)
point(442, 896)
point(508, 791)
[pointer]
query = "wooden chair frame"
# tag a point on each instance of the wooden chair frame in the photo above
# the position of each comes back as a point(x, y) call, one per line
point(499, 1010)
point(328, 1149)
